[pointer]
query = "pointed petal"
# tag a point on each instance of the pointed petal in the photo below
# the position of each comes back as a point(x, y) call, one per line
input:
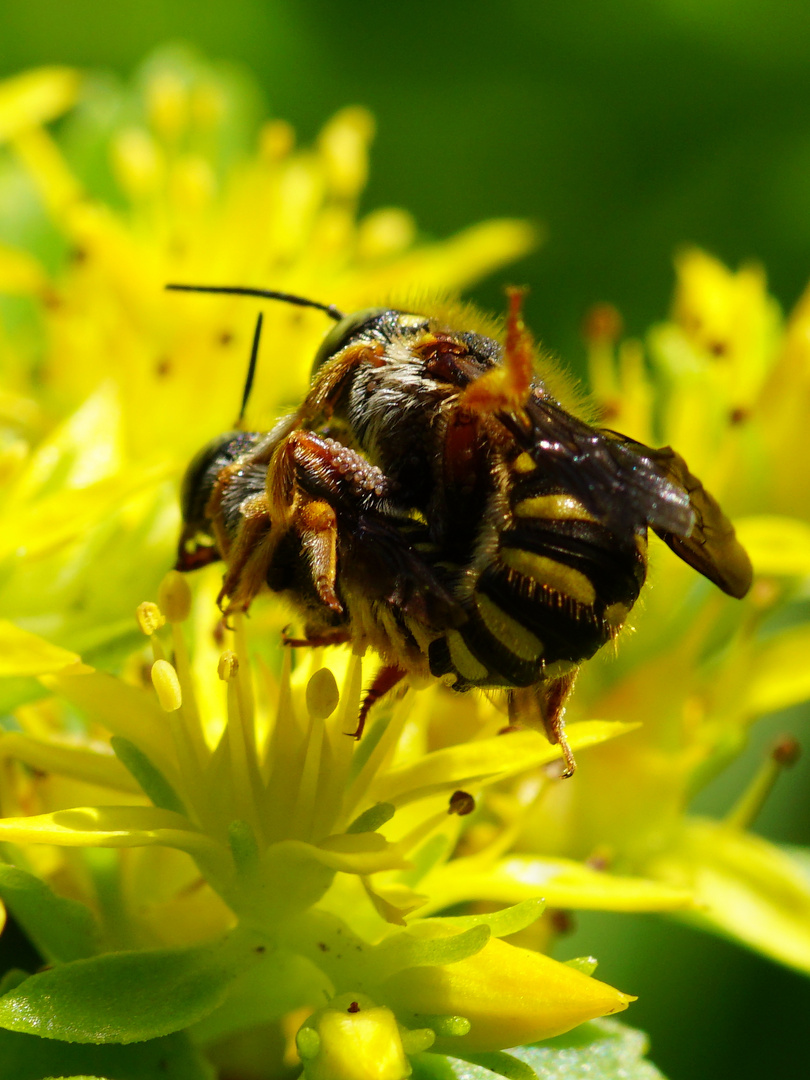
point(782, 675)
point(745, 888)
point(76, 762)
point(35, 97)
point(511, 996)
point(562, 883)
point(776, 545)
point(23, 653)
point(485, 760)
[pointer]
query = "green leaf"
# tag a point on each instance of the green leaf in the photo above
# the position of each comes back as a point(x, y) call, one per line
point(60, 929)
point(166, 991)
point(26, 1057)
point(603, 1049)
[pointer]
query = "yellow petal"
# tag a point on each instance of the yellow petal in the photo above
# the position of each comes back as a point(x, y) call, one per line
point(744, 887)
point(287, 856)
point(35, 97)
point(463, 259)
point(351, 1038)
point(75, 762)
point(562, 883)
point(20, 273)
point(485, 759)
point(22, 653)
point(782, 674)
point(776, 545)
point(511, 996)
point(123, 710)
point(116, 826)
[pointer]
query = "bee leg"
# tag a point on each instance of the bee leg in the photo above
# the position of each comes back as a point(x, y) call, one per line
point(507, 386)
point(316, 641)
point(316, 523)
point(248, 558)
point(544, 705)
point(385, 679)
point(552, 697)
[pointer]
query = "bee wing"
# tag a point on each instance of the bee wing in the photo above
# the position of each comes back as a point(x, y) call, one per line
point(711, 547)
point(627, 485)
point(617, 480)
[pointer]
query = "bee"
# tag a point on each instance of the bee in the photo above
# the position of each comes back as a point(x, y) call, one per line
point(431, 499)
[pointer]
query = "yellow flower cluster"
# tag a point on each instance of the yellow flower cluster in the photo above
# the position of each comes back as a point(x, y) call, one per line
point(229, 807)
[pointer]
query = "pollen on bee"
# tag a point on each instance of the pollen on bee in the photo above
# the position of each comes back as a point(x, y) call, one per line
point(167, 685)
point(524, 463)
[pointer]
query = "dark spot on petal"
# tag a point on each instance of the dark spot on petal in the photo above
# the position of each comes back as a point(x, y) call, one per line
point(739, 415)
point(461, 803)
point(353, 1008)
point(323, 946)
point(163, 367)
point(718, 348)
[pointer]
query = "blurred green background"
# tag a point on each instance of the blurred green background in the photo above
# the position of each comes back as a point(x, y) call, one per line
point(624, 127)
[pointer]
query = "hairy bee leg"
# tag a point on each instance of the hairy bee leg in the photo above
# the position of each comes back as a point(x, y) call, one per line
point(544, 705)
point(552, 698)
point(316, 523)
point(249, 557)
point(324, 477)
point(385, 679)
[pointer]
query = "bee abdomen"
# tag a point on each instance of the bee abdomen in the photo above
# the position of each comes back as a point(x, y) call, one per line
point(557, 592)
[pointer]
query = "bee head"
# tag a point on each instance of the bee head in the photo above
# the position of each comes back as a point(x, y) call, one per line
point(349, 327)
point(196, 547)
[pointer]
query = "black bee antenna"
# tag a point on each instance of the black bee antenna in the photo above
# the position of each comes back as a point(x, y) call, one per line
point(251, 371)
point(264, 294)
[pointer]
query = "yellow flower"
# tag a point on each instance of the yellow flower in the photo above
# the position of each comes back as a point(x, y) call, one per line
point(270, 816)
point(118, 383)
point(220, 859)
point(229, 855)
point(701, 668)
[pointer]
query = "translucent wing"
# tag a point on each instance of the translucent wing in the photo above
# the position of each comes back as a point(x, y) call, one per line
point(614, 478)
point(628, 485)
point(711, 547)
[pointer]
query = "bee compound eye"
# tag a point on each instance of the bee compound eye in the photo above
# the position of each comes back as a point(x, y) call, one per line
point(204, 468)
point(342, 333)
point(388, 321)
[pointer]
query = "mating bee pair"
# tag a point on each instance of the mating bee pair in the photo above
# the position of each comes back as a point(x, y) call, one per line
point(432, 500)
